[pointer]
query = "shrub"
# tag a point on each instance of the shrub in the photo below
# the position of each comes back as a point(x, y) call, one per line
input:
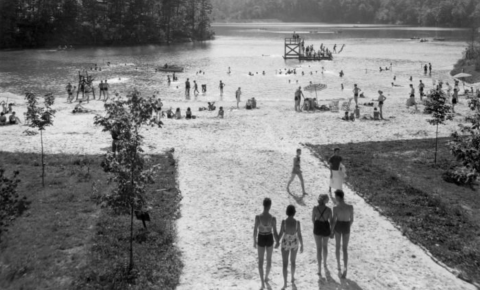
point(460, 175)
point(11, 205)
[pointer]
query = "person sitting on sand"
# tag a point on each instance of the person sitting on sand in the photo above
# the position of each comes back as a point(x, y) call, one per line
point(345, 118)
point(352, 117)
point(249, 104)
point(357, 112)
point(3, 119)
point(211, 106)
point(170, 113)
point(291, 236)
point(297, 171)
point(341, 223)
point(178, 114)
point(254, 103)
point(376, 114)
point(13, 119)
point(189, 114)
point(221, 113)
point(264, 235)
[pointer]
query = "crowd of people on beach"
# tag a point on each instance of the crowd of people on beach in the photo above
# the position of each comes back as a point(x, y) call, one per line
point(327, 224)
point(7, 108)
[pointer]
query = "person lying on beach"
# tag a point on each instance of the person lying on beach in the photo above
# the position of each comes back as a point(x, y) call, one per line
point(221, 113)
point(178, 114)
point(80, 109)
point(13, 119)
point(395, 85)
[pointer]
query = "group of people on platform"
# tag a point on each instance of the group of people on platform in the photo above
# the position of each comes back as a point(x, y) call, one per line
point(327, 224)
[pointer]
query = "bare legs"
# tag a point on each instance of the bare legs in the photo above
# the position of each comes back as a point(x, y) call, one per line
point(261, 255)
point(381, 112)
point(293, 258)
point(300, 176)
point(322, 249)
point(345, 238)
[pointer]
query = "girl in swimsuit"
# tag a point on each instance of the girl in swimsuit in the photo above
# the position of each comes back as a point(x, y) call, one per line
point(297, 171)
point(341, 222)
point(292, 237)
point(264, 233)
point(321, 218)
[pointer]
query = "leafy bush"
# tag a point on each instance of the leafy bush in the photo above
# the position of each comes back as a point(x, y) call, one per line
point(465, 145)
point(460, 175)
point(11, 205)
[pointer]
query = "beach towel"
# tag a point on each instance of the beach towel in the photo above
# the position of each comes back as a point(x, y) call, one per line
point(338, 177)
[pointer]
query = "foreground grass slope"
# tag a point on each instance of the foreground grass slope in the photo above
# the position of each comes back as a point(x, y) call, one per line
point(400, 179)
point(66, 241)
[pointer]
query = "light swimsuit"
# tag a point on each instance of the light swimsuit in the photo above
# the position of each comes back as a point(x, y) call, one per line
point(290, 241)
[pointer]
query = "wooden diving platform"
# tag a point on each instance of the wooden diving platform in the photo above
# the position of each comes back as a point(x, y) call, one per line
point(294, 50)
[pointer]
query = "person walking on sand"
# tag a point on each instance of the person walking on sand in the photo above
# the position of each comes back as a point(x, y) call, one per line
point(322, 218)
point(264, 235)
point(356, 91)
point(195, 88)
point(337, 176)
point(187, 88)
point(430, 68)
point(381, 99)
point(238, 95)
point(297, 171)
point(221, 86)
point(421, 88)
point(341, 223)
point(291, 236)
point(298, 99)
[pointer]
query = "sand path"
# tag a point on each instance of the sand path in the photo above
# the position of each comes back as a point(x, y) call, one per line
point(224, 178)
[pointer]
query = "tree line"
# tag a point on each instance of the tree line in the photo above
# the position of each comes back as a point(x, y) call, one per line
point(37, 23)
point(450, 13)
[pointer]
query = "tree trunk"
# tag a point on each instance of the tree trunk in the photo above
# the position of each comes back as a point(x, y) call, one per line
point(436, 145)
point(131, 239)
point(43, 163)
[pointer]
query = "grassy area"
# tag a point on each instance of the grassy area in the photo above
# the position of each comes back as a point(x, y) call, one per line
point(66, 241)
point(400, 179)
point(469, 67)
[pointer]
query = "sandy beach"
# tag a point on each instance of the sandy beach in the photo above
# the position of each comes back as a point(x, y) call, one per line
point(227, 167)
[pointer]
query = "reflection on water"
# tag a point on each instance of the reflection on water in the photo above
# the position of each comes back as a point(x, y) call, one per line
point(245, 48)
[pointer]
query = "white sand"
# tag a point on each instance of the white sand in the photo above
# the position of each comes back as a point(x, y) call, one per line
point(226, 168)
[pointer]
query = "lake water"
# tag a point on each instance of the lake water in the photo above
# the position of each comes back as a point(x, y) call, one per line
point(245, 48)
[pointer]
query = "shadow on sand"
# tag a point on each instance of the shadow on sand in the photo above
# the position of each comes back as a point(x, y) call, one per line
point(329, 283)
point(298, 199)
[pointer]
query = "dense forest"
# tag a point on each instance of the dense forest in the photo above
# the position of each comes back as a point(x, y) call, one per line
point(454, 13)
point(37, 23)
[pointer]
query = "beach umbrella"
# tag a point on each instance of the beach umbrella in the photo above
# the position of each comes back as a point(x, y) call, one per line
point(315, 87)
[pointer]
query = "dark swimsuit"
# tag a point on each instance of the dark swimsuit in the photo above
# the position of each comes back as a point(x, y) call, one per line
point(321, 228)
point(342, 227)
